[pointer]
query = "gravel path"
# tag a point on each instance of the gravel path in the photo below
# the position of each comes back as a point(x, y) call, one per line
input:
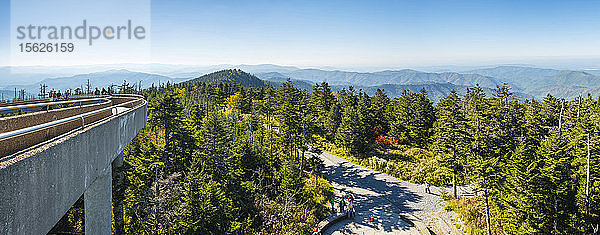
point(388, 198)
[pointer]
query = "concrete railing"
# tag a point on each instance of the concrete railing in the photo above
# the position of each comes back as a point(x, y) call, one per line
point(330, 221)
point(45, 104)
point(24, 102)
point(72, 108)
point(20, 132)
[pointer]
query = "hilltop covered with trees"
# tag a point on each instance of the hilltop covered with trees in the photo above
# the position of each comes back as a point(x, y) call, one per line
point(230, 76)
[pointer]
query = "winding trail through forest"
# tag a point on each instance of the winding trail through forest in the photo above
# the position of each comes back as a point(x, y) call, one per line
point(391, 201)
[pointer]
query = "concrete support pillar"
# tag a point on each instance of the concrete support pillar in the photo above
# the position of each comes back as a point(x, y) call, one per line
point(98, 205)
point(118, 194)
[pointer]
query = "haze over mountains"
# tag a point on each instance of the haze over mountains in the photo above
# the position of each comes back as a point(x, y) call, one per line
point(526, 82)
point(98, 79)
point(539, 82)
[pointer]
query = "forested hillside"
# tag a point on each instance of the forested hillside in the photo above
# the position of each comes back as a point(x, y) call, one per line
point(528, 160)
point(226, 158)
point(209, 162)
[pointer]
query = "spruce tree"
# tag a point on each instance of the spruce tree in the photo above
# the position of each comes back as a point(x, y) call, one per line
point(413, 118)
point(379, 105)
point(289, 115)
point(334, 117)
point(165, 113)
point(348, 134)
point(524, 185)
point(451, 137)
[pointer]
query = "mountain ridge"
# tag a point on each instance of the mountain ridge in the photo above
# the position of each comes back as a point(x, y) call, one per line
point(230, 76)
point(534, 81)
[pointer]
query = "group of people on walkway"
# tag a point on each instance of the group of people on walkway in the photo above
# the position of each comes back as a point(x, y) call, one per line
point(57, 95)
point(108, 91)
point(347, 205)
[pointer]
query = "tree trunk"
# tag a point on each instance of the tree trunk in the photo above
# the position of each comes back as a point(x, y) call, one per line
point(555, 213)
point(454, 173)
point(251, 116)
point(587, 182)
point(487, 209)
point(166, 155)
point(578, 106)
point(234, 126)
point(562, 108)
point(302, 161)
point(454, 185)
point(156, 205)
point(270, 129)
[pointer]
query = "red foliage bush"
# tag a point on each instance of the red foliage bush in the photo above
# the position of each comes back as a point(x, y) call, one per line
point(385, 141)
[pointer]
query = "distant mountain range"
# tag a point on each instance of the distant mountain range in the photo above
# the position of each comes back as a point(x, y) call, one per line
point(541, 82)
point(526, 82)
point(401, 77)
point(435, 91)
point(276, 79)
point(99, 79)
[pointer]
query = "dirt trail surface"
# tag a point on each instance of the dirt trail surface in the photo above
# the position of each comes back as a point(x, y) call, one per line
point(391, 202)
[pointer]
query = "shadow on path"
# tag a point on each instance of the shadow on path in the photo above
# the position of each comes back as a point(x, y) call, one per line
point(378, 194)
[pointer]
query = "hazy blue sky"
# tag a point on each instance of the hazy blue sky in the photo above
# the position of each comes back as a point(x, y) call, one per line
point(366, 33)
point(4, 31)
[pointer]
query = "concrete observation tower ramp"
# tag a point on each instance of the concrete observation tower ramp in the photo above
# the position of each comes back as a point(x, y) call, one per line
point(53, 152)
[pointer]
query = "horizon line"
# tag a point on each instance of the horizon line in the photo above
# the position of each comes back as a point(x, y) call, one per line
point(326, 68)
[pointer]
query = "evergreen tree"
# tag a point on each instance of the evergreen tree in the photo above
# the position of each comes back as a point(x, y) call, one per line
point(414, 118)
point(165, 113)
point(334, 117)
point(483, 158)
point(551, 109)
point(451, 137)
point(379, 104)
point(556, 197)
point(348, 134)
point(323, 98)
point(289, 115)
point(524, 185)
point(205, 207)
point(366, 116)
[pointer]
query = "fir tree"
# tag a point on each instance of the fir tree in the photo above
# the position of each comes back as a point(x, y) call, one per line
point(451, 137)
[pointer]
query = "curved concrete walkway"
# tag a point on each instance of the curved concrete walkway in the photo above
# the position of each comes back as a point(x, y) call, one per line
point(391, 201)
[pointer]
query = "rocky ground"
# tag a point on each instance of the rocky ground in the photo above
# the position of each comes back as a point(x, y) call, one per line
point(398, 207)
